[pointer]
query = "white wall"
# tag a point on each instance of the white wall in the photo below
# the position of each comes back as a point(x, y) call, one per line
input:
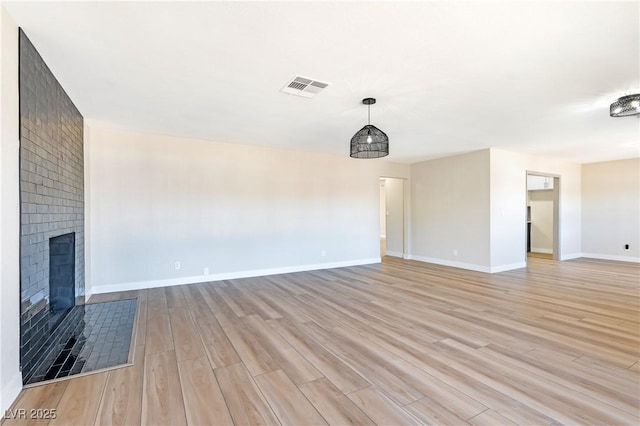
point(10, 377)
point(237, 210)
point(450, 211)
point(541, 202)
point(508, 206)
point(611, 210)
point(394, 205)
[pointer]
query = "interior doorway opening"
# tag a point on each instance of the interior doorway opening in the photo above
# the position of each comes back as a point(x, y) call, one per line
point(383, 218)
point(392, 220)
point(543, 218)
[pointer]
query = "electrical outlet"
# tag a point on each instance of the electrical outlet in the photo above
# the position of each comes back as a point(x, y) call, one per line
point(206, 271)
point(455, 252)
point(626, 247)
point(177, 265)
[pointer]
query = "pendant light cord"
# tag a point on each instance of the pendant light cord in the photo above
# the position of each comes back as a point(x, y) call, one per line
point(369, 113)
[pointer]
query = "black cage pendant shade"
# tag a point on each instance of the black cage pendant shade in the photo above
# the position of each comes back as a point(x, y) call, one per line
point(369, 142)
point(625, 106)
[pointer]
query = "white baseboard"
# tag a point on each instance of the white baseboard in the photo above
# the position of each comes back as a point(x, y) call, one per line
point(600, 256)
point(570, 256)
point(469, 266)
point(508, 267)
point(394, 254)
point(541, 250)
point(612, 257)
point(10, 390)
point(444, 262)
point(140, 285)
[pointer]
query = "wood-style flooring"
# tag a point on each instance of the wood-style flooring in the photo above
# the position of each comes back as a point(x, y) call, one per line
point(401, 342)
point(540, 255)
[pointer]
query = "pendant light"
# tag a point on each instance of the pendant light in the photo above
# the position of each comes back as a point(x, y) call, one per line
point(369, 142)
point(626, 105)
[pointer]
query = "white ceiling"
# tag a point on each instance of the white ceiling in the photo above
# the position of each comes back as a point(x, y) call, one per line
point(449, 77)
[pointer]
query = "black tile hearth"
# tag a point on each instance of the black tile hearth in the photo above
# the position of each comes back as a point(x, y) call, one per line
point(90, 337)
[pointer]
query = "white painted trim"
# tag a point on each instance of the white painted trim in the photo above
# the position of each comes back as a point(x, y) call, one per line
point(10, 390)
point(612, 257)
point(139, 285)
point(541, 250)
point(444, 262)
point(469, 266)
point(394, 254)
point(600, 256)
point(509, 267)
point(570, 256)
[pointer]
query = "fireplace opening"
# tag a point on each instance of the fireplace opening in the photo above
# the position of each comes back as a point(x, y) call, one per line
point(62, 265)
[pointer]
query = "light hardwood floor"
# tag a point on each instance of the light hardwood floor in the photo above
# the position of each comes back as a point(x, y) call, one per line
point(401, 342)
point(540, 255)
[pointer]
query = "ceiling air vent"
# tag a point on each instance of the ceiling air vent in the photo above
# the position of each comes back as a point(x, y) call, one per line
point(305, 87)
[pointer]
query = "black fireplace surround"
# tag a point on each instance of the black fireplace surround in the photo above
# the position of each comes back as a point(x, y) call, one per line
point(51, 207)
point(62, 295)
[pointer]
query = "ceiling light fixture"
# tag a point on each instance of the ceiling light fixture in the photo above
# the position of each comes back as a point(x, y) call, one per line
point(369, 142)
point(626, 105)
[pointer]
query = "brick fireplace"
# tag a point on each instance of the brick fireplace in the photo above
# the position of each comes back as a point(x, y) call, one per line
point(51, 205)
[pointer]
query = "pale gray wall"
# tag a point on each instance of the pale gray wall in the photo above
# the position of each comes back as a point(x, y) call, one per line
point(450, 210)
point(611, 209)
point(231, 208)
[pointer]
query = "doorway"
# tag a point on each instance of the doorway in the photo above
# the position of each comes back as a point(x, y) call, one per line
point(542, 227)
point(392, 212)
